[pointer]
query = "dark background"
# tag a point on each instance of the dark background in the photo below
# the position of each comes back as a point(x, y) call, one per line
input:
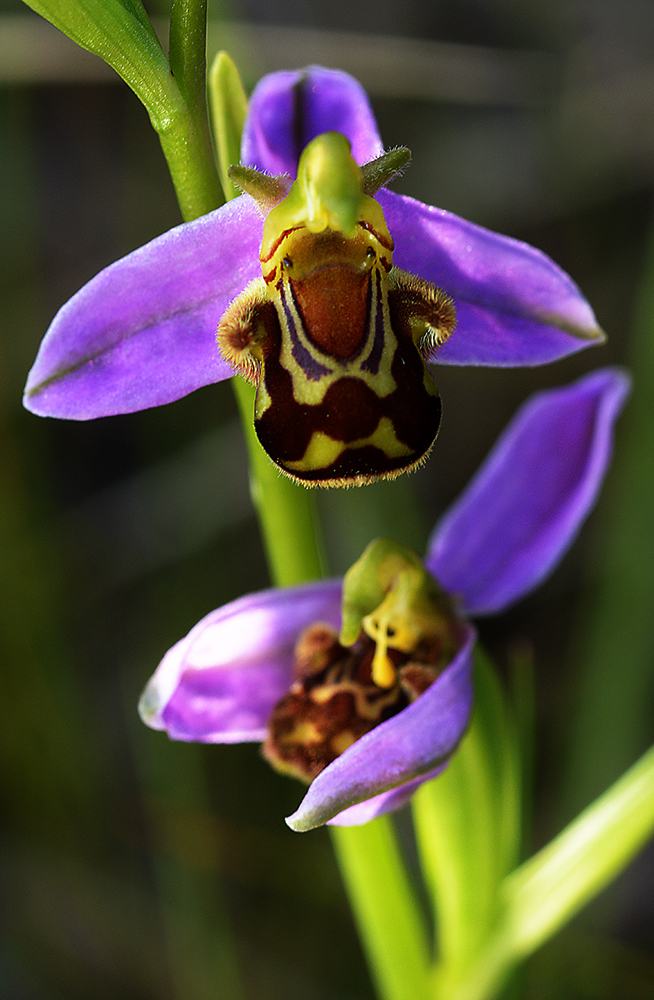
point(137, 868)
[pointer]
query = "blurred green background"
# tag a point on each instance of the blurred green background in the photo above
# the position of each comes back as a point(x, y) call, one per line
point(138, 868)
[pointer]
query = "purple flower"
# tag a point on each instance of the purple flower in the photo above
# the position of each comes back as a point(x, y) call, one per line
point(143, 331)
point(498, 541)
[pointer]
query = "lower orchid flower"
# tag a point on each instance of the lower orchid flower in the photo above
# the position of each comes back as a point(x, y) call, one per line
point(332, 305)
point(363, 686)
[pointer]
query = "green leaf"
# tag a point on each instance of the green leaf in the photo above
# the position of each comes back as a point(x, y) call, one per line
point(120, 32)
point(549, 888)
point(545, 892)
point(228, 105)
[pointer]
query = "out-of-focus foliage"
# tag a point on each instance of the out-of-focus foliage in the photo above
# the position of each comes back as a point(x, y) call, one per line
point(139, 868)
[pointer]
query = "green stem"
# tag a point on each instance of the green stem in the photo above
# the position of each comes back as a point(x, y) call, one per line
point(185, 138)
point(185, 154)
point(391, 926)
point(286, 511)
point(187, 49)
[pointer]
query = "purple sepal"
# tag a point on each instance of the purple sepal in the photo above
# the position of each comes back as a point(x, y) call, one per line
point(143, 331)
point(411, 745)
point(220, 683)
point(522, 510)
point(514, 305)
point(289, 109)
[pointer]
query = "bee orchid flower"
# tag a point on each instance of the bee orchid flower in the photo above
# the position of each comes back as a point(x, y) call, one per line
point(363, 686)
point(328, 291)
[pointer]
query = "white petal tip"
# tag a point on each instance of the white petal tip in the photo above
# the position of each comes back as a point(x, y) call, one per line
point(149, 707)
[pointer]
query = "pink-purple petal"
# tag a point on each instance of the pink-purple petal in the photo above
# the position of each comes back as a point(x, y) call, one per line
point(289, 109)
point(387, 802)
point(220, 683)
point(143, 331)
point(514, 305)
point(522, 510)
point(412, 745)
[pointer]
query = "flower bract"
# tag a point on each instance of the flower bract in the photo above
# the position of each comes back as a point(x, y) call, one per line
point(226, 680)
point(143, 331)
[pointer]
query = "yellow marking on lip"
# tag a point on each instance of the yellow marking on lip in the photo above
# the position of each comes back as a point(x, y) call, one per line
point(342, 741)
point(323, 450)
point(385, 438)
point(305, 732)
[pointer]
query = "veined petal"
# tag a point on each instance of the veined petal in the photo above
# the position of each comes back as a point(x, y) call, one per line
point(289, 109)
point(514, 305)
point(143, 331)
point(520, 513)
point(220, 683)
point(411, 745)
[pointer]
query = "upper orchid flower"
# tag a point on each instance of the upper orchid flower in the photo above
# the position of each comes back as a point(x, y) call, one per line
point(332, 306)
point(365, 685)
